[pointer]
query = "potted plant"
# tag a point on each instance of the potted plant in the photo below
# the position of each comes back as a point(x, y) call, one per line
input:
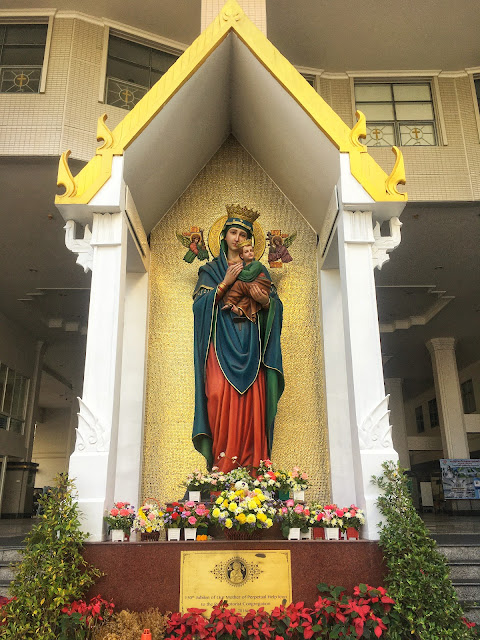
point(242, 513)
point(316, 522)
point(332, 520)
point(195, 520)
point(196, 482)
point(267, 479)
point(149, 521)
point(295, 519)
point(173, 520)
point(216, 483)
point(298, 481)
point(120, 520)
point(353, 518)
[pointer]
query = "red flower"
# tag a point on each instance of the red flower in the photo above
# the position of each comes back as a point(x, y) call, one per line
point(175, 516)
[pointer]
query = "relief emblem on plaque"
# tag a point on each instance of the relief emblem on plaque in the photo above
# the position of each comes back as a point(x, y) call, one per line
point(236, 571)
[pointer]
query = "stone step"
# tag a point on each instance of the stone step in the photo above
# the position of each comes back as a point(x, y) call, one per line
point(460, 570)
point(457, 553)
point(7, 572)
point(472, 612)
point(5, 589)
point(467, 589)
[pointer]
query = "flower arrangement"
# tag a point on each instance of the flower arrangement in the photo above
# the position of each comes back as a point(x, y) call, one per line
point(121, 517)
point(294, 515)
point(173, 516)
point(353, 517)
point(298, 480)
point(330, 517)
point(197, 481)
point(195, 515)
point(243, 510)
point(149, 518)
point(216, 480)
point(268, 479)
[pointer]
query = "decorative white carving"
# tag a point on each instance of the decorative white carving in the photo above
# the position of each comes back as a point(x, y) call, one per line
point(82, 247)
point(90, 433)
point(384, 244)
point(376, 431)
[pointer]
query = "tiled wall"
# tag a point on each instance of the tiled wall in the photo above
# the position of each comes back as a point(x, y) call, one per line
point(65, 116)
point(255, 10)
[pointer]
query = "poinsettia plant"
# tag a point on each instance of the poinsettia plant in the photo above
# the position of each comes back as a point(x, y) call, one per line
point(120, 516)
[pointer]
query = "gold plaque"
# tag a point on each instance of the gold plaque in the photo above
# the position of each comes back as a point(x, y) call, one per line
point(245, 579)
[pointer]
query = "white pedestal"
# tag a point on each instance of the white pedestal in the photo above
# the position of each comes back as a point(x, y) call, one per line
point(299, 496)
point(117, 535)
point(332, 533)
point(306, 535)
point(194, 496)
point(190, 533)
point(173, 534)
point(294, 533)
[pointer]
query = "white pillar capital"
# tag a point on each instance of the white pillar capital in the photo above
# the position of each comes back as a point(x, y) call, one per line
point(358, 227)
point(441, 344)
point(107, 230)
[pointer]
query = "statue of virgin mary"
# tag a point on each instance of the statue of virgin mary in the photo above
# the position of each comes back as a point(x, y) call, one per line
point(238, 363)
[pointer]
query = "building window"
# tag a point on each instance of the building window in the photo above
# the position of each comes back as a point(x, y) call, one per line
point(13, 399)
point(419, 419)
point(22, 49)
point(310, 78)
point(468, 397)
point(397, 113)
point(132, 69)
point(433, 413)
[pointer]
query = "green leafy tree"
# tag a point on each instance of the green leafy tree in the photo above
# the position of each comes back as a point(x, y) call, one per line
point(52, 572)
point(418, 578)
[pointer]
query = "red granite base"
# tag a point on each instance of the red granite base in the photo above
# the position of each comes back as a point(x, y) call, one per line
point(142, 575)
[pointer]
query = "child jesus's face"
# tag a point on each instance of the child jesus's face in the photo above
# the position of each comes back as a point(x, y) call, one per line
point(248, 254)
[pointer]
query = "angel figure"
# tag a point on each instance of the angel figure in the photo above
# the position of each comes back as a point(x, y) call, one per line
point(278, 248)
point(195, 243)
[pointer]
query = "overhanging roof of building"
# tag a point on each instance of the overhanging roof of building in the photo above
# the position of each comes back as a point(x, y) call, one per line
point(230, 80)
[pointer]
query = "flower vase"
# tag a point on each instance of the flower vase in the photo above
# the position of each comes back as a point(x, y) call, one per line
point(299, 496)
point(117, 535)
point(318, 533)
point(194, 496)
point(294, 533)
point(332, 533)
point(283, 495)
point(190, 533)
point(306, 535)
point(352, 534)
point(173, 533)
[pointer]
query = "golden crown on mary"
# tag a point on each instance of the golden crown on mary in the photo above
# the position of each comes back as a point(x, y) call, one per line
point(244, 213)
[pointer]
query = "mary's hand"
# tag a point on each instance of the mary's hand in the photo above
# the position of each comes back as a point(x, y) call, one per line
point(259, 294)
point(232, 273)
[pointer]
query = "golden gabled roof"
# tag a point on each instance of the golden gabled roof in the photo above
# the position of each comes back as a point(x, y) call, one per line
point(83, 187)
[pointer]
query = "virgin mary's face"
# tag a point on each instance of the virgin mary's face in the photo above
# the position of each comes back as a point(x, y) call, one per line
point(234, 236)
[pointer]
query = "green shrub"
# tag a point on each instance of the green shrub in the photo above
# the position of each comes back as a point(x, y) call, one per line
point(417, 578)
point(52, 572)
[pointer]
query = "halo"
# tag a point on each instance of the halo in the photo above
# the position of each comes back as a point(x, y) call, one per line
point(216, 230)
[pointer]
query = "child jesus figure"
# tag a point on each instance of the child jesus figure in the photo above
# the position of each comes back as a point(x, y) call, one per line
point(239, 299)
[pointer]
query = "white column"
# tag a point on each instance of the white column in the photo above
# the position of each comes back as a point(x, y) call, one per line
point(369, 415)
point(339, 432)
point(256, 10)
point(132, 391)
point(393, 388)
point(449, 398)
point(93, 463)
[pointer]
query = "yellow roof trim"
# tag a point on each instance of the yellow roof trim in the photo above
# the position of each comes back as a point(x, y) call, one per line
point(81, 188)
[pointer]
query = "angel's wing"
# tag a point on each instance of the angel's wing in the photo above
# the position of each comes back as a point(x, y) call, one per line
point(289, 241)
point(183, 239)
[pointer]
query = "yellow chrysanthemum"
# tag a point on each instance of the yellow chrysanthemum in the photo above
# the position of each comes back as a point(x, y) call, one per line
point(228, 523)
point(219, 500)
point(242, 518)
point(269, 522)
point(252, 504)
point(261, 516)
point(243, 504)
point(232, 506)
point(239, 492)
point(225, 504)
point(251, 518)
point(216, 512)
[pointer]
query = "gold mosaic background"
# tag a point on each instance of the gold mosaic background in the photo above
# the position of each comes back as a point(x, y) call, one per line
point(231, 176)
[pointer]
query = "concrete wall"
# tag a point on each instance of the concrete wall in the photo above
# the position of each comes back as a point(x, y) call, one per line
point(53, 444)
